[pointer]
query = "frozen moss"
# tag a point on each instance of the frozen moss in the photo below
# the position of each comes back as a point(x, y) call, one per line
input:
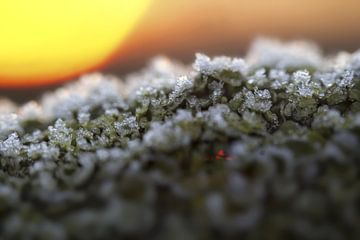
point(261, 147)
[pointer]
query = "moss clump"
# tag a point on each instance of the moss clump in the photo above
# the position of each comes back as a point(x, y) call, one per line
point(254, 148)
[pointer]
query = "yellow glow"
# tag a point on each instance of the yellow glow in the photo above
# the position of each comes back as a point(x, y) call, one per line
point(42, 41)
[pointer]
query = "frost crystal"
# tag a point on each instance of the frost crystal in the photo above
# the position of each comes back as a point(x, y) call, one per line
point(83, 117)
point(91, 91)
point(60, 135)
point(259, 100)
point(129, 126)
point(217, 91)
point(160, 74)
point(279, 77)
point(182, 85)
point(11, 146)
point(301, 84)
point(216, 116)
point(328, 79)
point(208, 66)
point(43, 150)
point(259, 78)
point(347, 79)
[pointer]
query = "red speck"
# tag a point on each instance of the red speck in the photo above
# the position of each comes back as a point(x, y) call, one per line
point(222, 156)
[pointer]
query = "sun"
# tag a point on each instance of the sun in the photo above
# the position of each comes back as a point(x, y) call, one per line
point(43, 42)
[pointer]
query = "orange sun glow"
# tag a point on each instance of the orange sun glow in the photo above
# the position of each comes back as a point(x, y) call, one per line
point(43, 42)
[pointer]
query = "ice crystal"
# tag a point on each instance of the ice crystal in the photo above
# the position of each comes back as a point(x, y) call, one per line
point(302, 84)
point(233, 149)
point(279, 77)
point(183, 84)
point(129, 126)
point(347, 79)
point(83, 117)
point(160, 74)
point(91, 91)
point(259, 100)
point(43, 150)
point(216, 116)
point(328, 79)
point(60, 135)
point(208, 66)
point(34, 137)
point(11, 146)
point(259, 78)
point(217, 91)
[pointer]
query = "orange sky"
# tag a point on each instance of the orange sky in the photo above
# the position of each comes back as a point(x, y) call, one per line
point(180, 28)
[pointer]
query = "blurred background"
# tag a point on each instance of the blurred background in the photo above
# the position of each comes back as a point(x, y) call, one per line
point(179, 29)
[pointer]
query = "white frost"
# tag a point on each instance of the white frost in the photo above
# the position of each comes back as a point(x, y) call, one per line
point(208, 66)
point(274, 53)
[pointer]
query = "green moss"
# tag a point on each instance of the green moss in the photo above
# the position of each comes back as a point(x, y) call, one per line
point(223, 153)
